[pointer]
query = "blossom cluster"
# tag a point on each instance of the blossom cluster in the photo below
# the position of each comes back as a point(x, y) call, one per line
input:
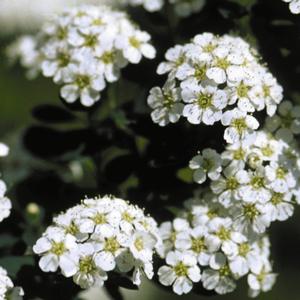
point(82, 49)
point(98, 236)
point(215, 78)
point(202, 246)
point(256, 183)
point(182, 8)
point(294, 6)
point(5, 203)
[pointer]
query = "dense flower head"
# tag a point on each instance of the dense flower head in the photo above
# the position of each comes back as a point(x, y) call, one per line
point(98, 236)
point(294, 6)
point(7, 289)
point(82, 49)
point(215, 78)
point(256, 183)
point(202, 245)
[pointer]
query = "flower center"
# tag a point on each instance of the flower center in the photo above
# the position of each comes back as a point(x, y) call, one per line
point(204, 100)
point(180, 269)
point(222, 63)
point(277, 198)
point(91, 41)
point(111, 245)
point(62, 33)
point(223, 234)
point(212, 213)
point(134, 42)
point(239, 154)
point(240, 125)
point(224, 271)
point(127, 217)
point(200, 72)
point(97, 22)
point(232, 183)
point(82, 81)
point(58, 248)
point(266, 91)
point(257, 182)
point(244, 249)
point(250, 211)
point(72, 229)
point(281, 173)
point(267, 151)
point(168, 100)
point(198, 245)
point(108, 57)
point(87, 265)
point(63, 59)
point(139, 244)
point(209, 48)
point(99, 219)
point(242, 90)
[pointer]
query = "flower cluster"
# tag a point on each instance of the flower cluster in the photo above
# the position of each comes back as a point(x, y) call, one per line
point(98, 236)
point(84, 48)
point(182, 8)
point(7, 289)
point(256, 183)
point(5, 203)
point(215, 79)
point(202, 245)
point(294, 6)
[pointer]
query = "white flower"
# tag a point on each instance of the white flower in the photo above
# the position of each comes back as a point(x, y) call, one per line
point(88, 274)
point(165, 103)
point(175, 58)
point(227, 187)
point(256, 187)
point(181, 271)
point(280, 179)
point(221, 235)
point(280, 207)
point(206, 164)
point(57, 250)
point(294, 6)
point(241, 125)
point(219, 277)
point(261, 280)
point(134, 44)
point(204, 103)
point(250, 218)
point(170, 232)
point(82, 81)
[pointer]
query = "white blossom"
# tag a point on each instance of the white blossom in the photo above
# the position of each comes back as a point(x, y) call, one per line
point(181, 271)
